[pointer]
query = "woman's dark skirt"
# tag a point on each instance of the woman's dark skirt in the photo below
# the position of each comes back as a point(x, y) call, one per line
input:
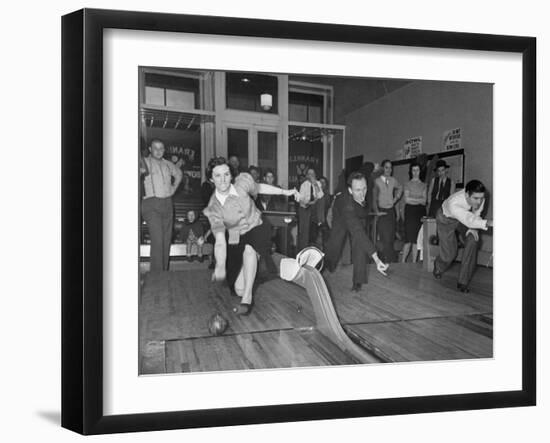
point(413, 216)
point(259, 238)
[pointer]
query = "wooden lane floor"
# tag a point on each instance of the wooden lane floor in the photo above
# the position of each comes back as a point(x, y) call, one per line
point(175, 308)
point(407, 317)
point(178, 305)
point(262, 349)
point(410, 316)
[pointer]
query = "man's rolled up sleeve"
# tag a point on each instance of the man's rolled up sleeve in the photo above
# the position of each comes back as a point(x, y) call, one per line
point(467, 218)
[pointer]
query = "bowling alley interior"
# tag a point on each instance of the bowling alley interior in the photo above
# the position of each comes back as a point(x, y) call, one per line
point(307, 309)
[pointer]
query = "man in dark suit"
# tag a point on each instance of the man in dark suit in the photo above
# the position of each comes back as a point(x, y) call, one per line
point(440, 189)
point(350, 214)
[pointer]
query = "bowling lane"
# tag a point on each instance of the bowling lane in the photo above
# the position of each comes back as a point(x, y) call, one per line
point(259, 350)
point(410, 316)
point(178, 305)
point(409, 293)
point(429, 339)
point(175, 309)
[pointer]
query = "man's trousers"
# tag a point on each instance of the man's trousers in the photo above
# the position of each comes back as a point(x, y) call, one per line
point(448, 247)
point(158, 213)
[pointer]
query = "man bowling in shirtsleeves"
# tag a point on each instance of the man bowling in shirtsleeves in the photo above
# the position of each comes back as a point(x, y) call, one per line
point(461, 212)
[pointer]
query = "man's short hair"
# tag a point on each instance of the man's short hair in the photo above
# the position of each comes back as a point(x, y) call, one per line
point(475, 186)
point(386, 161)
point(356, 176)
point(156, 140)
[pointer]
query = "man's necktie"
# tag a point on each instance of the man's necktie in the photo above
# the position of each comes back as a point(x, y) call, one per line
point(439, 191)
point(311, 196)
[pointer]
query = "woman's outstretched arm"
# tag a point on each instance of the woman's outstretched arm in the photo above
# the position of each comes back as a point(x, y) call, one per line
point(264, 188)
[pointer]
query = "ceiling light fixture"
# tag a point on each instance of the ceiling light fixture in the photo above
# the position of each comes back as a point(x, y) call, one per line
point(266, 101)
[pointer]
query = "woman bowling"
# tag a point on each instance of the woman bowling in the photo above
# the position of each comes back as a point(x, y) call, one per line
point(236, 222)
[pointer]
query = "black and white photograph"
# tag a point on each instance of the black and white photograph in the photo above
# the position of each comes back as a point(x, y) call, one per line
point(296, 221)
point(271, 222)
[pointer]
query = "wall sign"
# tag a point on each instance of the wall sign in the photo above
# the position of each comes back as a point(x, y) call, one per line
point(452, 139)
point(412, 147)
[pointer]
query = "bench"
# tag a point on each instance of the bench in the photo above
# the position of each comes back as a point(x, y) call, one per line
point(181, 208)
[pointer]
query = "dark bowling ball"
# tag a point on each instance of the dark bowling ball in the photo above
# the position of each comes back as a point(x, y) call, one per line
point(217, 324)
point(434, 240)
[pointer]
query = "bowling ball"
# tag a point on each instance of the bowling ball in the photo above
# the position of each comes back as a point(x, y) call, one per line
point(434, 240)
point(217, 324)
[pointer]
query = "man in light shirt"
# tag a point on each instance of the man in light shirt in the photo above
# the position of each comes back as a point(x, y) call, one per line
point(461, 212)
point(387, 192)
point(161, 179)
point(310, 192)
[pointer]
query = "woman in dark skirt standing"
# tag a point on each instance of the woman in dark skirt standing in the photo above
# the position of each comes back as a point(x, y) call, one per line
point(236, 222)
point(415, 208)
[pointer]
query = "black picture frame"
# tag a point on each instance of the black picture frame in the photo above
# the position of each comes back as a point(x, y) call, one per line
point(82, 218)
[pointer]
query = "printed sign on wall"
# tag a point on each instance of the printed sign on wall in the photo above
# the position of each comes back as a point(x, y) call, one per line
point(412, 147)
point(452, 139)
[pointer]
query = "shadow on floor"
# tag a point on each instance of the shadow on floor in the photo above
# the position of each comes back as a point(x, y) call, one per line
point(54, 417)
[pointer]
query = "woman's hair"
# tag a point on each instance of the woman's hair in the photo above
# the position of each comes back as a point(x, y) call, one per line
point(411, 166)
point(217, 161)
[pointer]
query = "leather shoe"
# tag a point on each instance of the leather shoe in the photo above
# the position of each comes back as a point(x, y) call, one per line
point(463, 288)
point(242, 309)
point(436, 273)
point(356, 287)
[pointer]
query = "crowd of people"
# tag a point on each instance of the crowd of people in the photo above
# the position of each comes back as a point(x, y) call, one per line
point(235, 199)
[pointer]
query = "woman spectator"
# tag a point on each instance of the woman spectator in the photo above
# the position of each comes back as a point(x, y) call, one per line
point(415, 208)
point(237, 226)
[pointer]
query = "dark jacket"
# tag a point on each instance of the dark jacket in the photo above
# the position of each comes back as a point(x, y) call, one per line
point(350, 216)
